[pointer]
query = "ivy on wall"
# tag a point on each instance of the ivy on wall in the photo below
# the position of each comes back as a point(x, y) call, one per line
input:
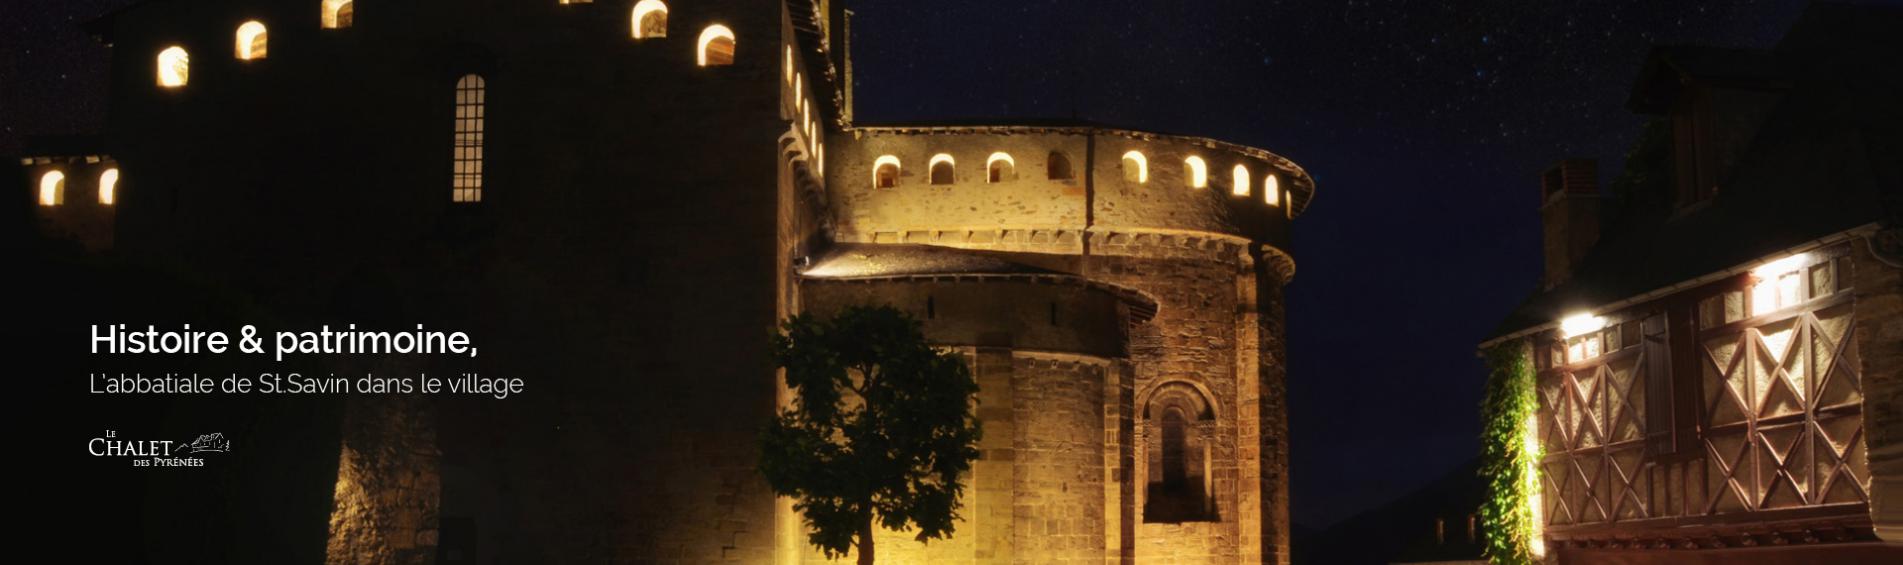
point(1509, 457)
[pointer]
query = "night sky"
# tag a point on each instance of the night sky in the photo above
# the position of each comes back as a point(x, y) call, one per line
point(1424, 126)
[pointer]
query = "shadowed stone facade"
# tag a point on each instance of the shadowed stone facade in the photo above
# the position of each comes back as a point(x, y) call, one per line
point(644, 221)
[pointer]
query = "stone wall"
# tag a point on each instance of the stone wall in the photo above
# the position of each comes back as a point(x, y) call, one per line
point(79, 216)
point(1192, 340)
point(1027, 211)
point(1058, 479)
point(389, 488)
point(1879, 327)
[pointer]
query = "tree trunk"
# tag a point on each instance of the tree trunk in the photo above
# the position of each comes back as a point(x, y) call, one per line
point(865, 542)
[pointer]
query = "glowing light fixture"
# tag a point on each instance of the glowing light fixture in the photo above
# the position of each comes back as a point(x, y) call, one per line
point(52, 188)
point(716, 46)
point(175, 67)
point(650, 21)
point(1198, 172)
point(1137, 163)
point(108, 185)
point(1272, 190)
point(1242, 181)
point(1772, 269)
point(1778, 284)
point(251, 41)
point(1579, 324)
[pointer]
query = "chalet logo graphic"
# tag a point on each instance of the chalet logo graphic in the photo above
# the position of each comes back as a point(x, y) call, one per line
point(158, 452)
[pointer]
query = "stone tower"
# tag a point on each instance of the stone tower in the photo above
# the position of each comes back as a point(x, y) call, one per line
point(619, 198)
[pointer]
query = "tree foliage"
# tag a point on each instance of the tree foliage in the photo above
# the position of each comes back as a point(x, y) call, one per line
point(880, 430)
point(1510, 468)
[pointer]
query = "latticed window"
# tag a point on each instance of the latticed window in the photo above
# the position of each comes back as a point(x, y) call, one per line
point(466, 185)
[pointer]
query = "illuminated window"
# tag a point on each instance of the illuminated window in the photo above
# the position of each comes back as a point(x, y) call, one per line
point(251, 41)
point(52, 188)
point(885, 172)
point(108, 186)
point(1136, 168)
point(716, 46)
point(1058, 167)
point(338, 14)
point(1272, 190)
point(942, 169)
point(466, 184)
point(1198, 172)
point(650, 20)
point(175, 67)
point(1000, 167)
point(1241, 187)
point(1779, 284)
point(789, 67)
point(577, 2)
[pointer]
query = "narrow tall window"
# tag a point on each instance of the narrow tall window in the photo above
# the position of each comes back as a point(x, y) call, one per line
point(1058, 167)
point(716, 46)
point(467, 183)
point(1000, 167)
point(52, 188)
point(650, 19)
point(1136, 168)
point(108, 186)
point(251, 41)
point(1196, 172)
point(338, 14)
point(885, 172)
point(1272, 190)
point(942, 172)
point(1241, 187)
point(175, 67)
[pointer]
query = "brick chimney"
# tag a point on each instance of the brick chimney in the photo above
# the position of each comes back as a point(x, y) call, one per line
point(1569, 213)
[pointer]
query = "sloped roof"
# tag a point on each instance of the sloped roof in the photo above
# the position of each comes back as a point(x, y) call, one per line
point(845, 261)
point(1827, 159)
point(875, 261)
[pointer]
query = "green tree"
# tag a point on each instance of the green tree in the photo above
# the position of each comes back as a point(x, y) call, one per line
point(880, 431)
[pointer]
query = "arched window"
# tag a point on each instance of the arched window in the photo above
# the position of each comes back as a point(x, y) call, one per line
point(1058, 167)
point(942, 172)
point(1272, 190)
point(1196, 172)
point(108, 186)
point(52, 188)
point(1000, 167)
point(338, 14)
point(650, 19)
point(885, 172)
point(1136, 168)
point(1178, 446)
point(175, 67)
point(466, 183)
point(789, 67)
point(251, 41)
point(716, 46)
point(1241, 187)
